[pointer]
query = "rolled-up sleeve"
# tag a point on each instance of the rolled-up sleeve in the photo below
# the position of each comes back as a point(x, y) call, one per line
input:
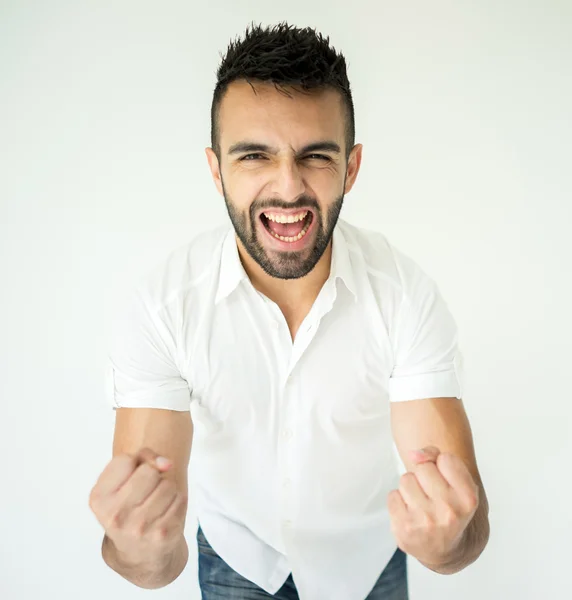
point(141, 369)
point(428, 361)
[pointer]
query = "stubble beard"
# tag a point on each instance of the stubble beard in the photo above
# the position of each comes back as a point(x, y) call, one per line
point(284, 264)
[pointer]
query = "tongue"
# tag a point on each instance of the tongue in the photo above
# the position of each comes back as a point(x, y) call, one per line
point(286, 229)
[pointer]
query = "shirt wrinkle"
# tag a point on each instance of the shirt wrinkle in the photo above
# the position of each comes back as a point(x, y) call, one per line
point(292, 438)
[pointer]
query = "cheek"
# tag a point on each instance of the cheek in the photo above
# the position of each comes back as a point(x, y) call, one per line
point(326, 186)
point(247, 190)
point(240, 194)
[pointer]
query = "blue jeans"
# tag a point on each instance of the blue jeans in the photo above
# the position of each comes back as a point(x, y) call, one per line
point(218, 581)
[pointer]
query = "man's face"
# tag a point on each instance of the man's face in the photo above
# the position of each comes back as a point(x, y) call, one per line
point(283, 198)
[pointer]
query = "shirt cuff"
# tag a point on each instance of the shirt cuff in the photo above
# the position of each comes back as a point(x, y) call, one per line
point(173, 399)
point(440, 384)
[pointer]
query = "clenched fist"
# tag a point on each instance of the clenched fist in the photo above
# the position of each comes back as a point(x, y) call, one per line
point(433, 506)
point(141, 510)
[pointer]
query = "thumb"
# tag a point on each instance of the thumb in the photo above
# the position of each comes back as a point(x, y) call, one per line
point(155, 460)
point(425, 454)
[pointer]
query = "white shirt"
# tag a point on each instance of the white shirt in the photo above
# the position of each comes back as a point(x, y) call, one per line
point(292, 455)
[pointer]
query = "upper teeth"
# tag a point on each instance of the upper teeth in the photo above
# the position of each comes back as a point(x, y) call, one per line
point(286, 218)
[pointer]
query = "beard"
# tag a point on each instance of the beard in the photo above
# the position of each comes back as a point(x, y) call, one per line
point(284, 264)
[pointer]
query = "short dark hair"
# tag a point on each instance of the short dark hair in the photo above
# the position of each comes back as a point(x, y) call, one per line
point(286, 56)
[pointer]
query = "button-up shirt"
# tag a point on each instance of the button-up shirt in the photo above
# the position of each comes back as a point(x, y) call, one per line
point(292, 454)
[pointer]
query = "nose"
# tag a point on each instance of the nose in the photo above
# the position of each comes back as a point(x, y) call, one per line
point(288, 181)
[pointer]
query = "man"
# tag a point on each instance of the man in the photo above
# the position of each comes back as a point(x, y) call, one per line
point(295, 352)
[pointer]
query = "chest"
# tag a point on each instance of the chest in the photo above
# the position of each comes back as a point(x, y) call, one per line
point(252, 370)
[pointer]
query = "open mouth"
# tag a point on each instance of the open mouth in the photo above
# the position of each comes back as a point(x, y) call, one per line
point(287, 228)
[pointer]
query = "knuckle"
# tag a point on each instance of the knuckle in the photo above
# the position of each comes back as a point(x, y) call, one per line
point(135, 530)
point(161, 533)
point(428, 522)
point(115, 519)
point(473, 497)
point(408, 528)
point(472, 502)
point(450, 517)
point(139, 527)
point(93, 499)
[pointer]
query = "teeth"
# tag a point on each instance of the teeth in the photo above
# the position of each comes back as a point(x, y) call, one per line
point(291, 239)
point(286, 218)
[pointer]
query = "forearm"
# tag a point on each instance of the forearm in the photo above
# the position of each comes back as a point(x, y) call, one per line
point(154, 574)
point(473, 543)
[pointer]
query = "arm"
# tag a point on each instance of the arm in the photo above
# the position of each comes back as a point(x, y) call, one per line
point(443, 424)
point(169, 433)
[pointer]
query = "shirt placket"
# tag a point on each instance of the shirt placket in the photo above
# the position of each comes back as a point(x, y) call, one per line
point(286, 389)
point(290, 389)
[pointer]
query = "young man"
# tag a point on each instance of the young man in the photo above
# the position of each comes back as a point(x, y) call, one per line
point(295, 352)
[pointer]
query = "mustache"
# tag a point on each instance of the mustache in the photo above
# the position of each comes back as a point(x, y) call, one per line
point(301, 203)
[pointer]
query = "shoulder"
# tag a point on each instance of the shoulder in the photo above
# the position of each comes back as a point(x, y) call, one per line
point(183, 269)
point(382, 260)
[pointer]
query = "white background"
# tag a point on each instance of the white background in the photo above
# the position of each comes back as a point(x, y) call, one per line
point(464, 110)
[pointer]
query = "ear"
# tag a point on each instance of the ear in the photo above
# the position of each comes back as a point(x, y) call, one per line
point(354, 162)
point(215, 169)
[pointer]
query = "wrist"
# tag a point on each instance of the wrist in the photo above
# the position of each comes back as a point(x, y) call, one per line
point(146, 569)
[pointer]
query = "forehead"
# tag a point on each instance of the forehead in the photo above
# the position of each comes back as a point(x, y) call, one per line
point(269, 115)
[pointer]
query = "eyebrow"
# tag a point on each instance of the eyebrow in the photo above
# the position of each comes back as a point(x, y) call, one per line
point(246, 146)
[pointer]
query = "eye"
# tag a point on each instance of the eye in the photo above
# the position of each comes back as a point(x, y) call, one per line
point(245, 157)
point(320, 156)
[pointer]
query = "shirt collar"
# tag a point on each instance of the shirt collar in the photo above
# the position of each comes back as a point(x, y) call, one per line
point(341, 264)
point(232, 272)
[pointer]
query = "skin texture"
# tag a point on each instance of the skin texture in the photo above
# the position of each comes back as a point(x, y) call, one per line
point(142, 504)
point(284, 179)
point(439, 514)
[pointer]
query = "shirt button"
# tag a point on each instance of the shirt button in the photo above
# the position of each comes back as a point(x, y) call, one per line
point(286, 483)
point(287, 433)
point(287, 523)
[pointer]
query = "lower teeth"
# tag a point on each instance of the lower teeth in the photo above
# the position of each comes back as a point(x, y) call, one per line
point(291, 239)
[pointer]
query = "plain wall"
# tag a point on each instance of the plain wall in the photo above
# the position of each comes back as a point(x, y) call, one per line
point(463, 109)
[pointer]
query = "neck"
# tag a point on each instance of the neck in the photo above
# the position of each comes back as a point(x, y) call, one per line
point(288, 293)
